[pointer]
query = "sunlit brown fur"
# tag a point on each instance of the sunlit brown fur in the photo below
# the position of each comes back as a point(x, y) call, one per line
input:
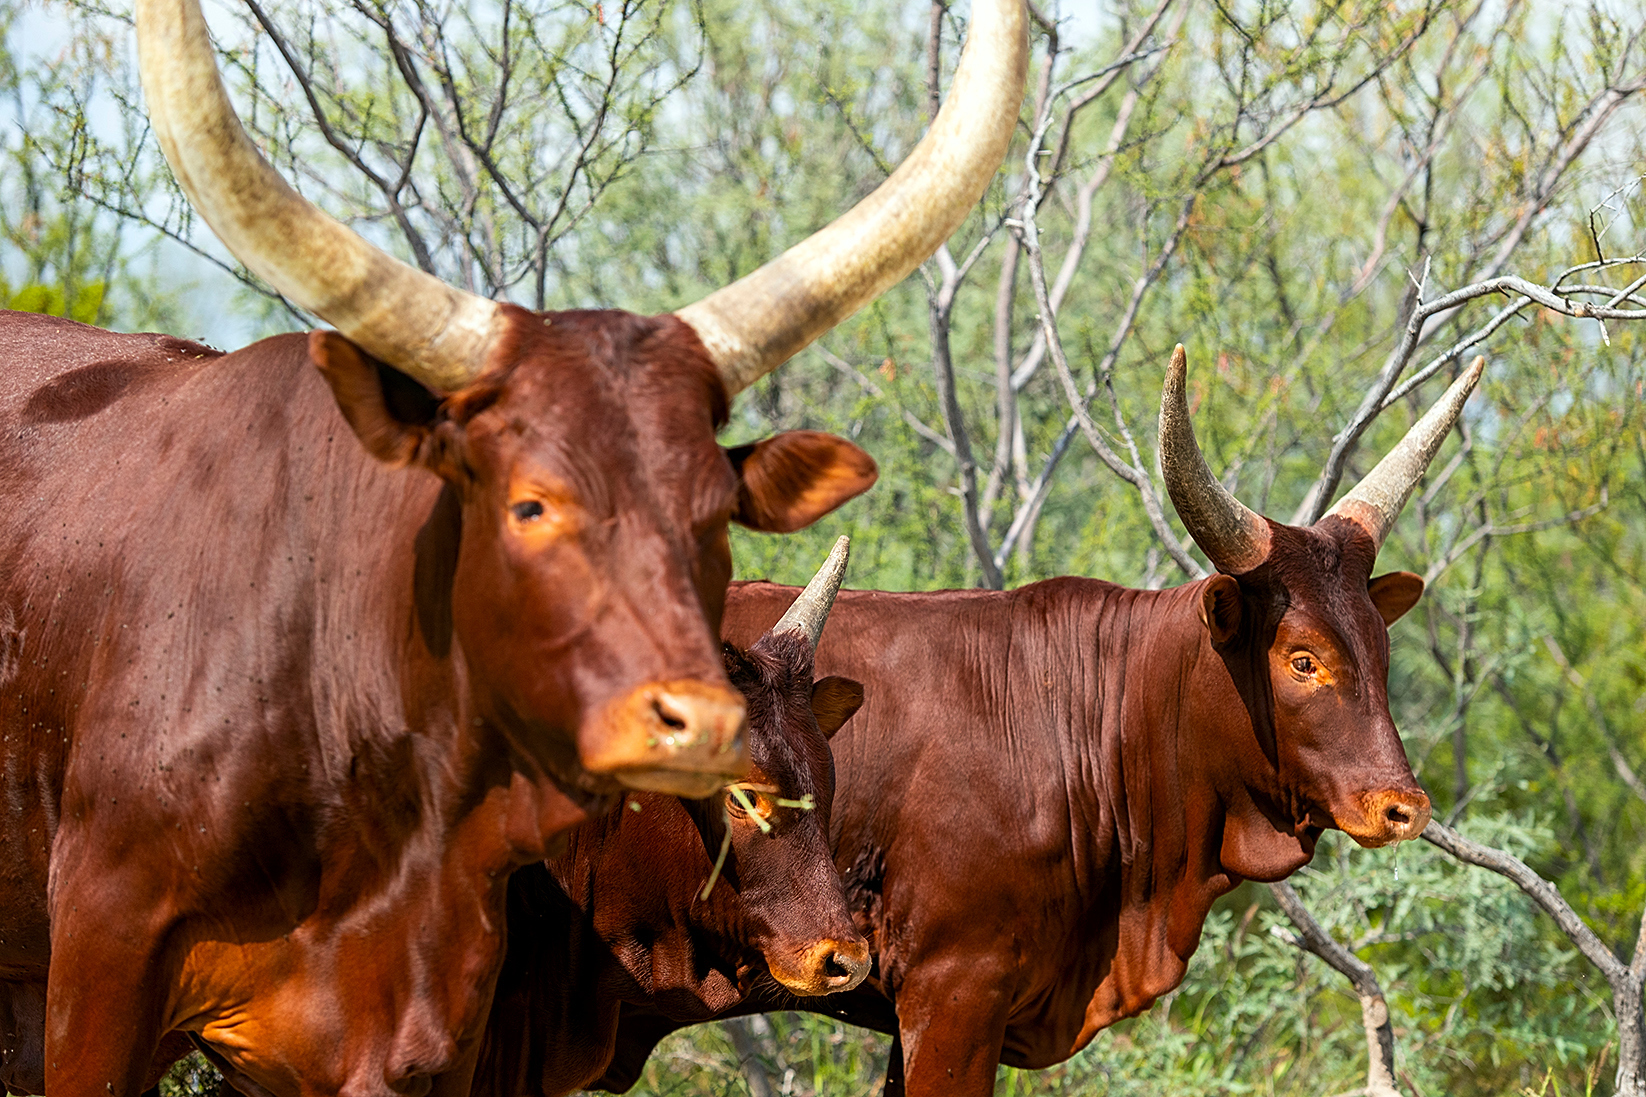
point(280, 711)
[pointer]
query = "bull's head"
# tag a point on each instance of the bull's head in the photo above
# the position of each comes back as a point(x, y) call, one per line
point(790, 905)
point(581, 447)
point(1302, 625)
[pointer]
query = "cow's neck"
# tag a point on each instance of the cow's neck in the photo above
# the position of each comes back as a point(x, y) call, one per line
point(1179, 827)
point(442, 810)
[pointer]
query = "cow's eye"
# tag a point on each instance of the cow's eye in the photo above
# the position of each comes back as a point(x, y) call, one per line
point(1303, 665)
point(527, 510)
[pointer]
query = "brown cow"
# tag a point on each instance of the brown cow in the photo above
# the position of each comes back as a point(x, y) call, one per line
point(620, 916)
point(1047, 788)
point(282, 710)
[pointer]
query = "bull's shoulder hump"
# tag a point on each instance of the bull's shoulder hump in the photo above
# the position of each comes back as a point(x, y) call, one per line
point(60, 344)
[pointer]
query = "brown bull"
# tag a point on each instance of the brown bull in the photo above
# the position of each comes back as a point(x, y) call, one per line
point(1047, 788)
point(620, 917)
point(282, 704)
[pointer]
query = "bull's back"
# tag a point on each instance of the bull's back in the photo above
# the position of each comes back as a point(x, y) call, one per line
point(91, 366)
point(951, 737)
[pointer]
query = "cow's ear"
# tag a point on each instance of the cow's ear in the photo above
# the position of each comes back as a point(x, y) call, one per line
point(1395, 593)
point(790, 480)
point(1220, 608)
point(834, 700)
point(395, 417)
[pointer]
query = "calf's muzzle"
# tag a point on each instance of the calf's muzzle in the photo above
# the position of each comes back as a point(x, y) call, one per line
point(827, 967)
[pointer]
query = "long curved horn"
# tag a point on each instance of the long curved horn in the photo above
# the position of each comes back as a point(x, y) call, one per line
point(1234, 538)
point(765, 318)
point(811, 610)
point(397, 313)
point(1376, 501)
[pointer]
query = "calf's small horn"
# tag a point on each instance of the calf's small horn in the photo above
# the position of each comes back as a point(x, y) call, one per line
point(810, 611)
point(1376, 501)
point(1233, 537)
point(766, 317)
point(401, 315)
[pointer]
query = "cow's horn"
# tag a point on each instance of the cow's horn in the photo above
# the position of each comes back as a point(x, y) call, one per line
point(397, 313)
point(1376, 501)
point(1234, 538)
point(760, 321)
point(811, 610)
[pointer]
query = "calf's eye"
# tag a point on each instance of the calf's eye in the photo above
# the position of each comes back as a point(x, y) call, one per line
point(529, 510)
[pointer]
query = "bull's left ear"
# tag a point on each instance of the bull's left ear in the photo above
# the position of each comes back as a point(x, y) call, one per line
point(834, 700)
point(790, 480)
point(1395, 593)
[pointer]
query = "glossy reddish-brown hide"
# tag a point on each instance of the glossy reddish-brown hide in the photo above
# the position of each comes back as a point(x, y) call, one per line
point(1047, 788)
point(618, 918)
point(278, 719)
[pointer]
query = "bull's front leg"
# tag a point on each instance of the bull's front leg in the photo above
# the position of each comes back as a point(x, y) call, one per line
point(951, 1016)
point(106, 987)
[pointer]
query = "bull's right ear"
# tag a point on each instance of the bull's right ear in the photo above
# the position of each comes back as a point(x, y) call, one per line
point(790, 480)
point(834, 700)
point(1220, 608)
point(391, 414)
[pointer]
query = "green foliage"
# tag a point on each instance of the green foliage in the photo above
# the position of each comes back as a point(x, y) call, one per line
point(1286, 176)
point(801, 1053)
point(192, 1076)
point(87, 306)
point(58, 253)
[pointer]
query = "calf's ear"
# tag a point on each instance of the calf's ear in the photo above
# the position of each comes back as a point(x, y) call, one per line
point(790, 480)
point(1395, 593)
point(395, 417)
point(1220, 608)
point(834, 700)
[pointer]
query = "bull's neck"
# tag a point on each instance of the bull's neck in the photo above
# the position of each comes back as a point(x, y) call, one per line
point(409, 731)
point(1175, 792)
point(1186, 734)
point(1156, 682)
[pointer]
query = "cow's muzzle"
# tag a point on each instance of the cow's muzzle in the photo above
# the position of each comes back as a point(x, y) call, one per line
point(684, 738)
point(828, 967)
point(1387, 816)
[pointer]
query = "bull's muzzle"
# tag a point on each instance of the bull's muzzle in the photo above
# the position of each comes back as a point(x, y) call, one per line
point(1388, 816)
point(684, 738)
point(827, 967)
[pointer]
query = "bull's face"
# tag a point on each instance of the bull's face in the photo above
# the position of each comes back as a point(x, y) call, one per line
point(571, 475)
point(793, 907)
point(1319, 642)
point(1303, 630)
point(593, 556)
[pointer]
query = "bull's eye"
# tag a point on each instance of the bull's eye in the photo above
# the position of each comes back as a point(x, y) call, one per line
point(527, 510)
point(1303, 665)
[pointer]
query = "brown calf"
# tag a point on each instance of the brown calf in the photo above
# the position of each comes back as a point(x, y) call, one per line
point(620, 917)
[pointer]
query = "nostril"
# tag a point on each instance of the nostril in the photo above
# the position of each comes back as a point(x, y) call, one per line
point(835, 967)
point(1399, 815)
point(668, 717)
